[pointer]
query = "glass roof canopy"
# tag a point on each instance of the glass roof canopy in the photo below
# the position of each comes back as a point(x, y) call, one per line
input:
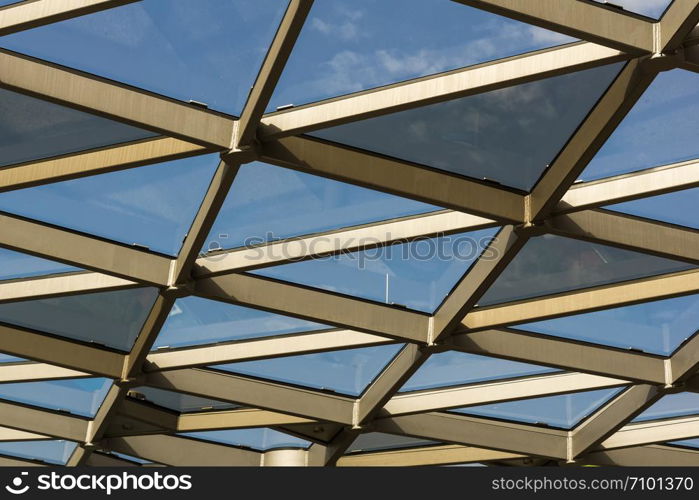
point(481, 244)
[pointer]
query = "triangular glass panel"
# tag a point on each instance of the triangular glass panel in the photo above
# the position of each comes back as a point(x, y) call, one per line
point(375, 441)
point(678, 208)
point(258, 438)
point(78, 396)
point(46, 450)
point(416, 275)
point(113, 319)
point(347, 371)
point(508, 136)
point(649, 8)
point(6, 358)
point(150, 206)
point(657, 327)
point(15, 265)
point(268, 203)
point(688, 443)
point(659, 129)
point(178, 401)
point(551, 264)
point(197, 321)
point(180, 49)
point(670, 406)
point(453, 368)
point(32, 129)
point(351, 47)
point(564, 411)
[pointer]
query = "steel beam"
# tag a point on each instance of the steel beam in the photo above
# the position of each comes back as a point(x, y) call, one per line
point(33, 372)
point(657, 431)
point(428, 455)
point(46, 422)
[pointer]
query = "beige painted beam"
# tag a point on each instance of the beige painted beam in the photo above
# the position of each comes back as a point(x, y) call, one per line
point(678, 21)
point(645, 456)
point(7, 434)
point(49, 423)
point(657, 431)
point(112, 100)
point(32, 372)
point(455, 84)
point(429, 455)
point(235, 419)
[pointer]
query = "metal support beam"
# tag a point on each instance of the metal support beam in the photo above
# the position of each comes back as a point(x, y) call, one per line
point(33, 372)
point(48, 423)
point(646, 456)
point(677, 22)
point(657, 431)
point(60, 285)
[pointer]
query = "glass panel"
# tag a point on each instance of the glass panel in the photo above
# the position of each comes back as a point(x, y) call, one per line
point(268, 203)
point(77, 396)
point(416, 275)
point(195, 321)
point(112, 319)
point(32, 129)
point(692, 443)
point(676, 208)
point(457, 368)
point(54, 452)
point(150, 206)
point(6, 358)
point(509, 136)
point(261, 439)
point(20, 265)
point(131, 458)
point(656, 327)
point(346, 47)
point(672, 405)
point(348, 371)
point(207, 50)
point(649, 8)
point(177, 401)
point(373, 441)
point(564, 411)
point(551, 264)
point(660, 128)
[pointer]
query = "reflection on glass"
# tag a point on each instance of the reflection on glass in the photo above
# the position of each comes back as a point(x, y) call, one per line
point(32, 129)
point(177, 401)
point(691, 443)
point(347, 47)
point(259, 438)
point(150, 206)
point(268, 203)
point(416, 275)
point(551, 264)
point(509, 136)
point(374, 441)
point(348, 371)
point(206, 50)
point(564, 411)
point(196, 321)
point(676, 208)
point(6, 358)
point(457, 368)
point(20, 265)
point(112, 319)
point(77, 396)
point(649, 8)
point(659, 129)
point(51, 451)
point(672, 405)
point(657, 327)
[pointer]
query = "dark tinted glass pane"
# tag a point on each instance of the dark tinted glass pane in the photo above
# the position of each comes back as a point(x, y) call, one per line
point(113, 319)
point(417, 275)
point(658, 130)
point(54, 452)
point(374, 441)
point(258, 438)
point(32, 129)
point(348, 371)
point(151, 206)
point(20, 265)
point(457, 368)
point(672, 405)
point(676, 208)
point(656, 327)
point(194, 320)
point(267, 203)
point(206, 50)
point(78, 396)
point(177, 401)
point(346, 47)
point(564, 411)
point(550, 264)
point(649, 8)
point(509, 136)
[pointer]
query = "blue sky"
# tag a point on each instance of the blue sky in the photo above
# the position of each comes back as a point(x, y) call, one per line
point(210, 51)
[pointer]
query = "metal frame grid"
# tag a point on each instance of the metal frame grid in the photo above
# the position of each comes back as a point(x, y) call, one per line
point(332, 422)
